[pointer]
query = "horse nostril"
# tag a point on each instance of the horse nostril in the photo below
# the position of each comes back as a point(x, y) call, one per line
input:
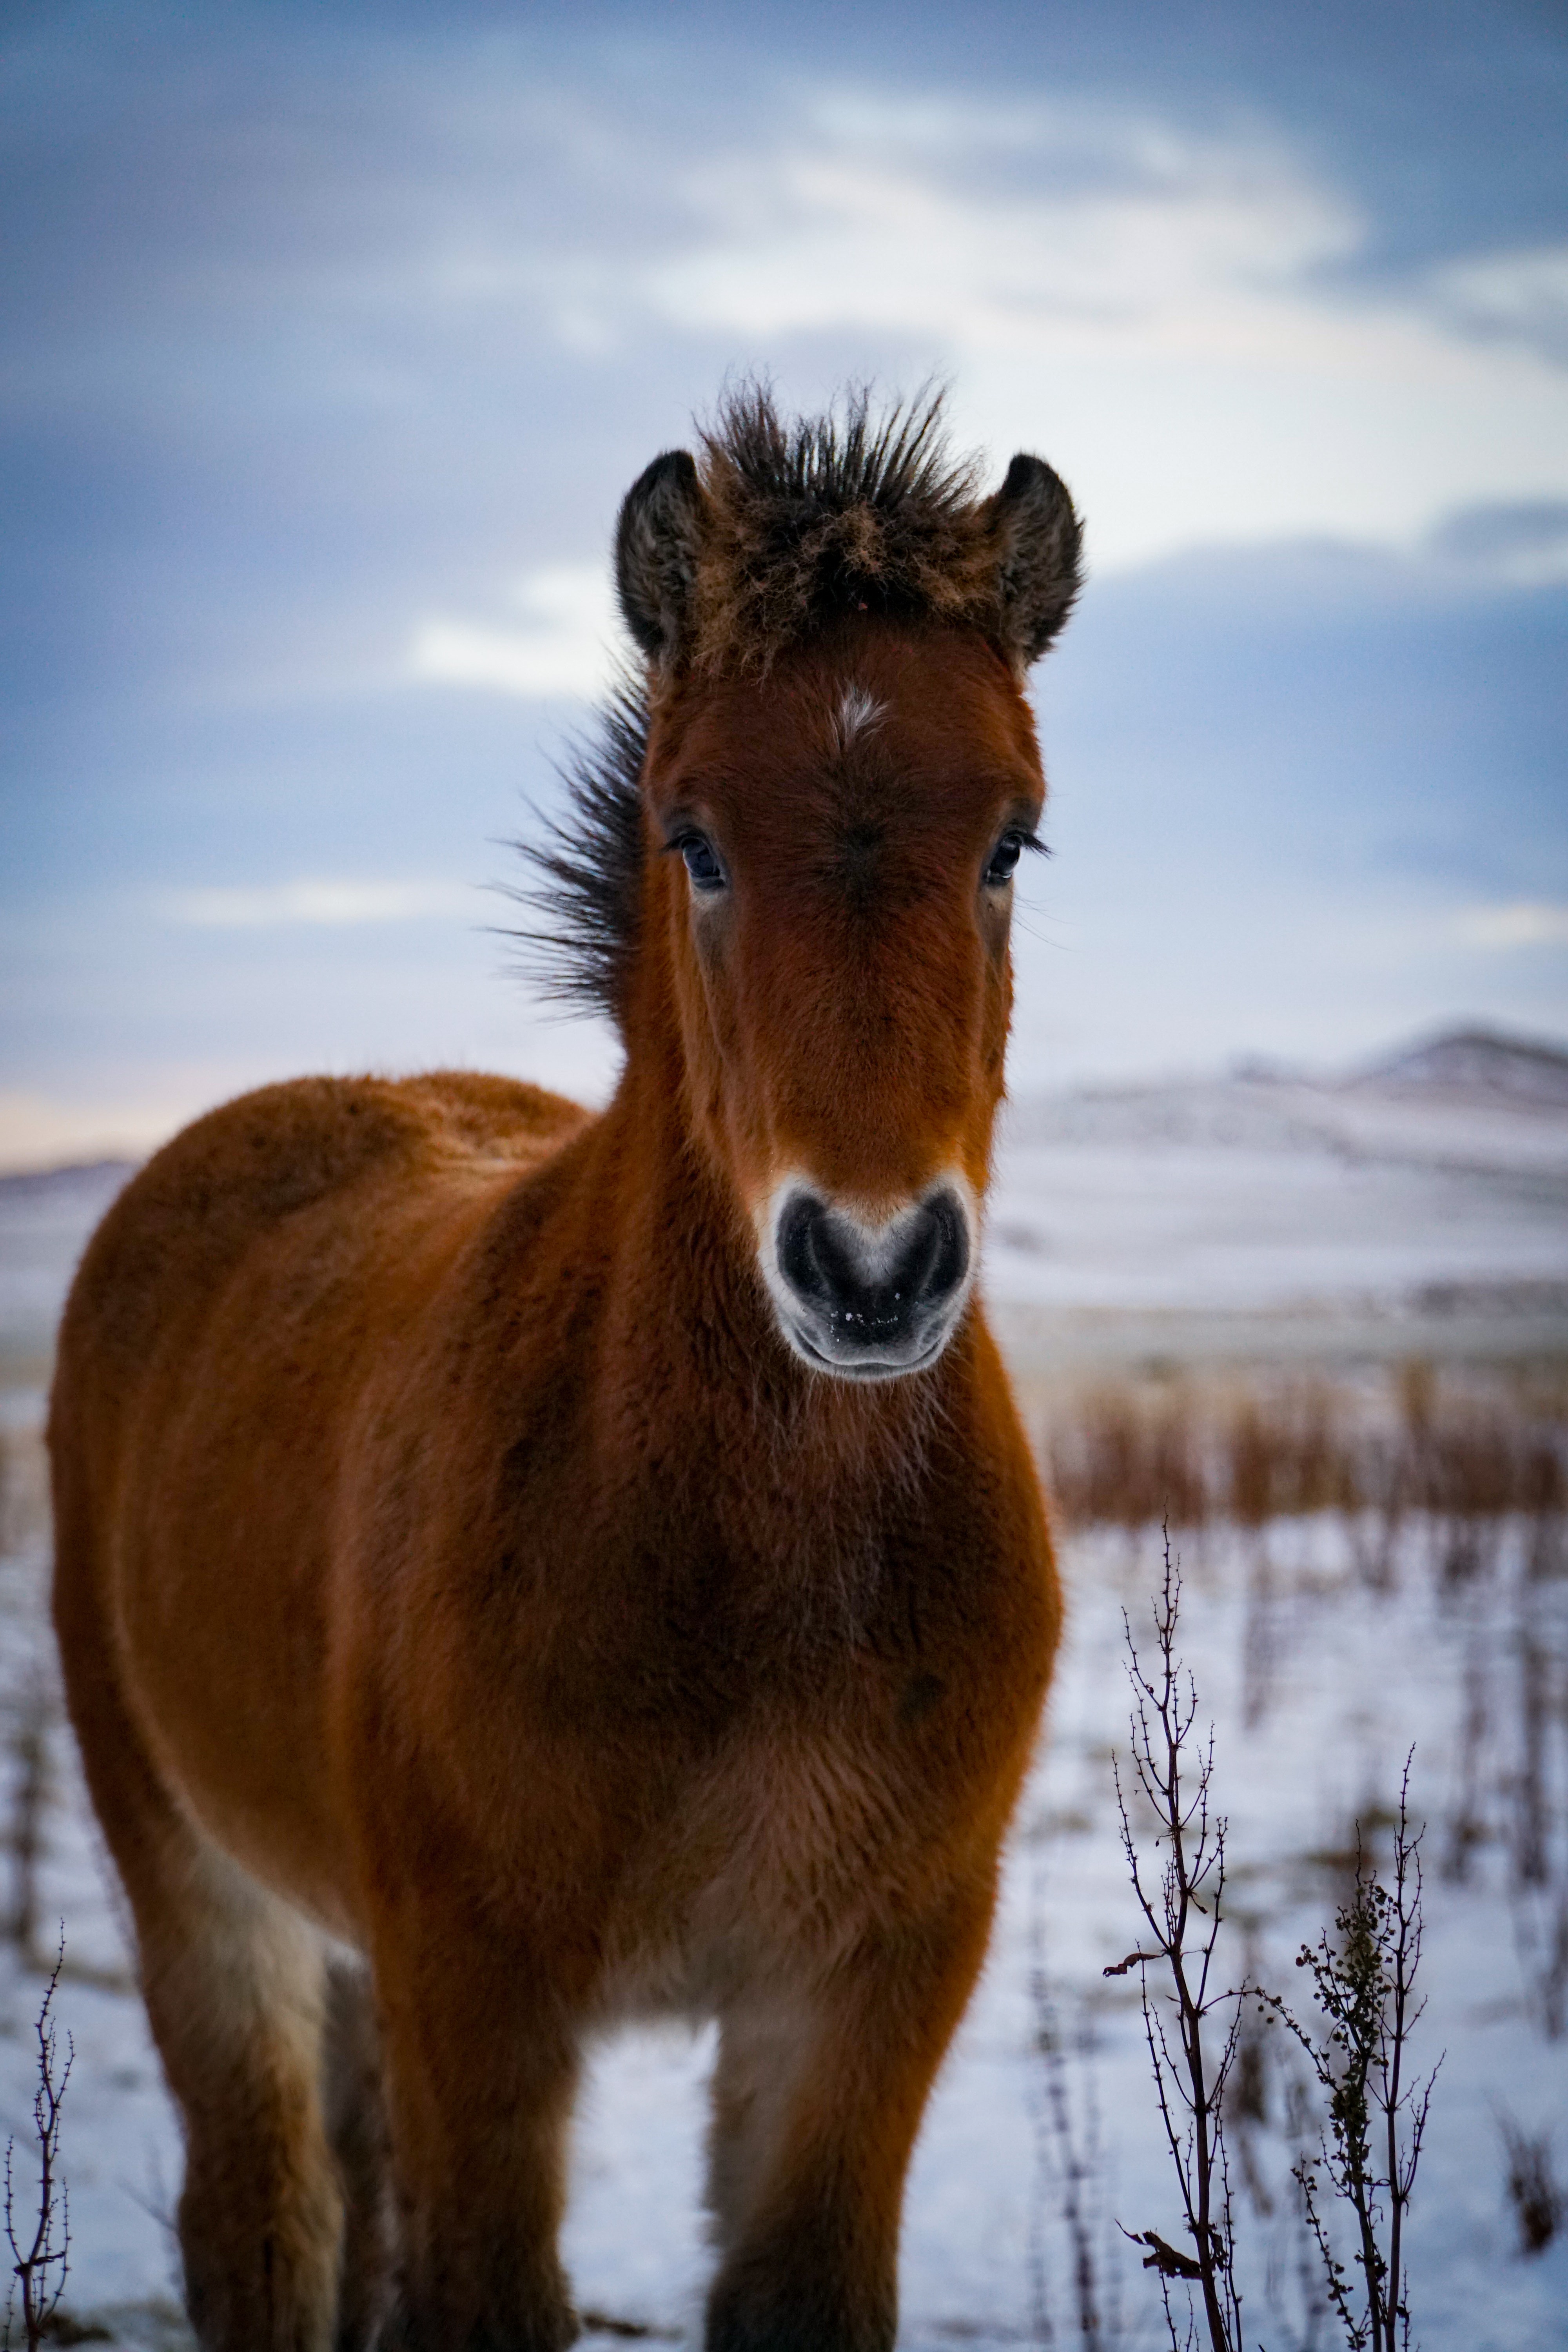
point(800, 1233)
point(871, 1285)
point(942, 1247)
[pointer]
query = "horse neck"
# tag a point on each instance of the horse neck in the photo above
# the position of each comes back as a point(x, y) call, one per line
point(691, 1317)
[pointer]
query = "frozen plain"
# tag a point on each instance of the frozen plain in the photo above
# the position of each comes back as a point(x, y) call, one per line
point(1257, 1218)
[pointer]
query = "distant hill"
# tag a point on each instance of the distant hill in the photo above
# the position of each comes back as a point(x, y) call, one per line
point(1418, 1205)
point(45, 1217)
point(1483, 1061)
point(93, 1182)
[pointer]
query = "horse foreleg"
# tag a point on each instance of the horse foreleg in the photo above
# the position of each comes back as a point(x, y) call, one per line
point(356, 2126)
point(818, 2099)
point(480, 2064)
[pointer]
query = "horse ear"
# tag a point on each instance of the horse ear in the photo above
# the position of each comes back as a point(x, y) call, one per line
point(1037, 536)
point(658, 540)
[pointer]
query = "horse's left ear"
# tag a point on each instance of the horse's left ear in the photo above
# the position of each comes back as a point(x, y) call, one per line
point(658, 540)
point(1037, 536)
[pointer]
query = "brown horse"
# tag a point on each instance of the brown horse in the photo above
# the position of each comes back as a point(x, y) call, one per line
point(519, 1571)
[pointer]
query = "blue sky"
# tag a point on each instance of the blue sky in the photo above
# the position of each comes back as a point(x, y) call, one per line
point(333, 334)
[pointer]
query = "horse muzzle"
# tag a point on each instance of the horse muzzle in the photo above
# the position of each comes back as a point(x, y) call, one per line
point(868, 1301)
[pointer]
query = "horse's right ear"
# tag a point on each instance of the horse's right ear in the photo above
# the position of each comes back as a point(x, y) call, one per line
point(658, 540)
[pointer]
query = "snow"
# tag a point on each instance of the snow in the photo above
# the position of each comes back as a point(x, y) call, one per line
point(1318, 1685)
point(1260, 1195)
point(1244, 1196)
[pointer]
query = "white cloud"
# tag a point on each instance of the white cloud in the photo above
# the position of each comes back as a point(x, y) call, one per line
point(315, 901)
point(1522, 295)
point(1173, 241)
point(1521, 923)
point(563, 648)
point(1148, 307)
point(1522, 541)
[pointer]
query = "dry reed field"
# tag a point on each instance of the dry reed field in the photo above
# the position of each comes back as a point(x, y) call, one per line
point(1462, 1447)
point(1374, 1564)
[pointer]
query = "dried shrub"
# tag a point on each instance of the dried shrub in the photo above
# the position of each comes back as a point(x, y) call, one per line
point(1364, 1983)
point(37, 2230)
point(1129, 1459)
point(24, 1484)
point(1183, 1913)
point(1532, 2191)
point(1288, 1456)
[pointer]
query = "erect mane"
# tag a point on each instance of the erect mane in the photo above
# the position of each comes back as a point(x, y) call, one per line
point(580, 946)
point(822, 516)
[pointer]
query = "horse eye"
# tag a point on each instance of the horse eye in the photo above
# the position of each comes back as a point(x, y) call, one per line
point(1004, 858)
point(702, 863)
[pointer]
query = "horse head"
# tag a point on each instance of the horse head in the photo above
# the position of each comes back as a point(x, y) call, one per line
point(839, 776)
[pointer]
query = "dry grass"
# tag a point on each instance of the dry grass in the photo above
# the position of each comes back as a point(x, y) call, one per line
point(23, 1489)
point(1465, 1449)
point(1537, 2201)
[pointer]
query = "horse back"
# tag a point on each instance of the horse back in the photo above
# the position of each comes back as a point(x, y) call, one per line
point(189, 1219)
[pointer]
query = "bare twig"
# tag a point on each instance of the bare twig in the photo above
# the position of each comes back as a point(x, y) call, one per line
point(1364, 1987)
point(1068, 2150)
point(1174, 1775)
point(39, 2261)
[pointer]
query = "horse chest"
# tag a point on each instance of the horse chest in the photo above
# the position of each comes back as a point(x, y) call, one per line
point(711, 1660)
point(785, 1849)
point(817, 1782)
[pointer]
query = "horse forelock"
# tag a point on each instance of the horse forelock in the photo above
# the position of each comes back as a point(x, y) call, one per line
point(807, 520)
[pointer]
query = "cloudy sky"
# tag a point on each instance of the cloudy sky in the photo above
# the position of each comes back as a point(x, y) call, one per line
point(333, 334)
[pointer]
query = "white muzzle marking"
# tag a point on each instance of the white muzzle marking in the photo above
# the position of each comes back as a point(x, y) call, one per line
point(869, 1298)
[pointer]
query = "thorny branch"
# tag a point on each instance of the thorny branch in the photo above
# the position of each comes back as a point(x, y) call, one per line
point(39, 2268)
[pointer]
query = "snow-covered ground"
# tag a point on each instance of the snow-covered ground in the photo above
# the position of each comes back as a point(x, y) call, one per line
point(1422, 1207)
point(1318, 1683)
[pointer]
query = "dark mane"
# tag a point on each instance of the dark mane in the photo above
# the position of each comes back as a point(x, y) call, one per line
point(820, 516)
point(586, 906)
